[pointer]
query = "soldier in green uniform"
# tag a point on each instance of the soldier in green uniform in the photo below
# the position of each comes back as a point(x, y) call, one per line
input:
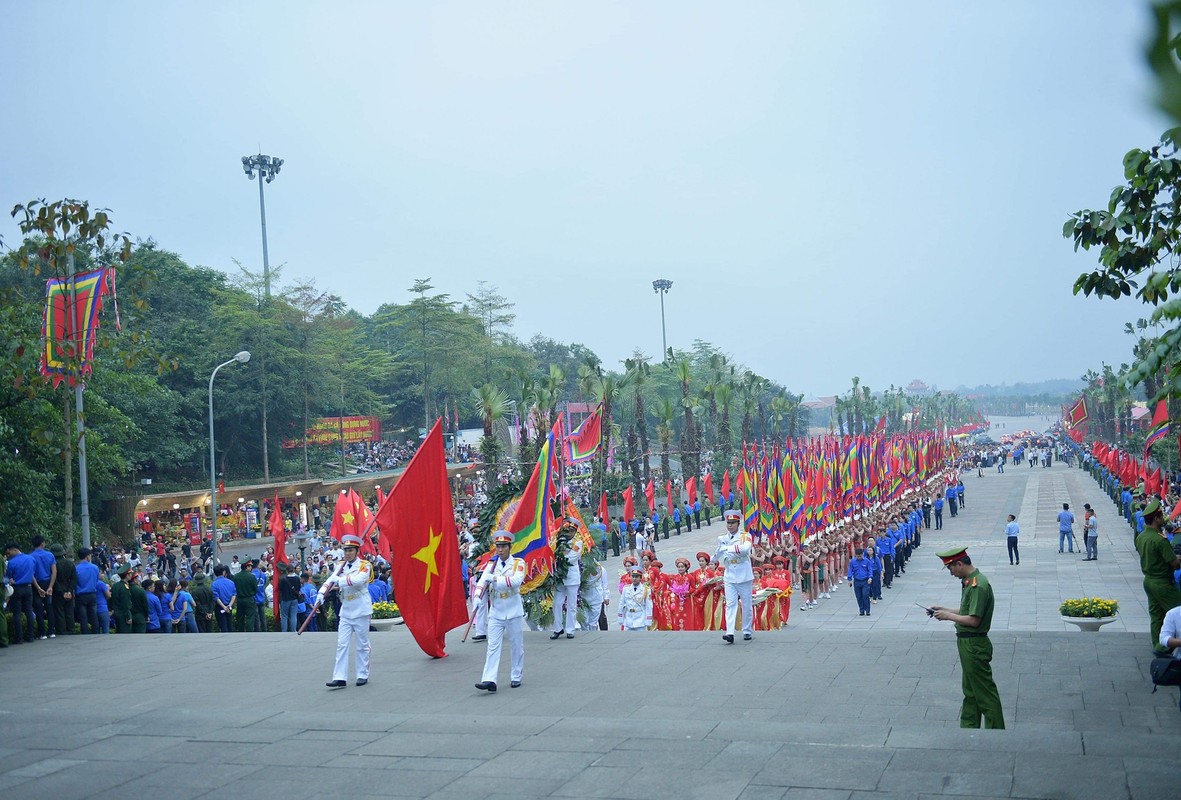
point(246, 585)
point(121, 601)
point(981, 698)
point(203, 598)
point(139, 605)
point(1157, 562)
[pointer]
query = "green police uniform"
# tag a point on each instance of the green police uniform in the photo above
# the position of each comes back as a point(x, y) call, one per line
point(120, 604)
point(140, 611)
point(246, 585)
point(1156, 562)
point(981, 697)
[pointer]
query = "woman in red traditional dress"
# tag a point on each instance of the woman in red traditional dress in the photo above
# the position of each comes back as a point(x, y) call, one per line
point(677, 591)
point(697, 596)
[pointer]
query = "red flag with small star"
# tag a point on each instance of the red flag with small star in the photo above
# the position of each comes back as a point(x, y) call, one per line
point(419, 520)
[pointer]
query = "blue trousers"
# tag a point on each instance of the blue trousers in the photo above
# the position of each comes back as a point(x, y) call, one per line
point(861, 590)
point(1067, 537)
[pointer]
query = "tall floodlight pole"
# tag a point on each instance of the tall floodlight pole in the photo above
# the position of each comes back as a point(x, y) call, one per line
point(661, 287)
point(267, 168)
point(241, 358)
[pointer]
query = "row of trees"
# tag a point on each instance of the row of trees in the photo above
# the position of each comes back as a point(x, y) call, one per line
point(312, 356)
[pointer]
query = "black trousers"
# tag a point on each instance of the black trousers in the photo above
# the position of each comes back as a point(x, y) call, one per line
point(43, 608)
point(888, 570)
point(1011, 542)
point(21, 606)
point(86, 612)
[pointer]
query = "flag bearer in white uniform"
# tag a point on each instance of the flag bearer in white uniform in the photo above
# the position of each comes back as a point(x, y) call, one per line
point(501, 584)
point(352, 579)
point(733, 553)
point(566, 592)
point(596, 597)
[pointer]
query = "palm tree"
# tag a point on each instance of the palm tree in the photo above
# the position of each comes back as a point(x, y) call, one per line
point(666, 415)
point(724, 394)
point(492, 405)
point(689, 457)
point(638, 370)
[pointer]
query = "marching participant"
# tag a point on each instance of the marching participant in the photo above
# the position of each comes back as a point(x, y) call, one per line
point(352, 580)
point(501, 582)
point(566, 592)
point(733, 553)
point(596, 597)
point(635, 604)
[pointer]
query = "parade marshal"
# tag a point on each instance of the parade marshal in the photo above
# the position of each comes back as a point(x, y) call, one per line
point(981, 698)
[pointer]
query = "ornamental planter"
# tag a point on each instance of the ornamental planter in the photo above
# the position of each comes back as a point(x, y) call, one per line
point(385, 624)
point(1089, 623)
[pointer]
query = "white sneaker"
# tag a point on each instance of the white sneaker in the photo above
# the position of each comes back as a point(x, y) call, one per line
point(53, 636)
point(804, 607)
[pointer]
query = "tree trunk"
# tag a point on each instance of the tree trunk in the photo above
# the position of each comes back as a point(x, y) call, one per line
point(68, 470)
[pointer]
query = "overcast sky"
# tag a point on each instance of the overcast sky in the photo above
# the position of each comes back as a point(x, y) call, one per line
point(835, 189)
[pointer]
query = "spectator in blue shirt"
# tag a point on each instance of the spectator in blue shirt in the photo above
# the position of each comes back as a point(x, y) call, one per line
point(697, 513)
point(938, 506)
point(18, 574)
point(225, 597)
point(1065, 527)
point(86, 592)
point(184, 609)
point(886, 550)
point(951, 494)
point(155, 609)
point(260, 599)
point(959, 494)
point(44, 576)
point(875, 560)
point(309, 599)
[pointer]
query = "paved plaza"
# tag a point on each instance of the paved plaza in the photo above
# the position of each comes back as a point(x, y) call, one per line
point(833, 707)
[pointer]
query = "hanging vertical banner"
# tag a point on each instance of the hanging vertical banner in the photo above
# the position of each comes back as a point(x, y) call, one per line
point(70, 325)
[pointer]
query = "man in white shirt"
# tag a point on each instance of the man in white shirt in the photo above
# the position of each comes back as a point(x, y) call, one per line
point(501, 584)
point(352, 578)
point(733, 553)
point(566, 591)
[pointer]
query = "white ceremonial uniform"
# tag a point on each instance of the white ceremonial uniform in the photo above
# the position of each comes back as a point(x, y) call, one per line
point(500, 585)
point(733, 553)
point(635, 608)
point(352, 579)
point(567, 592)
point(480, 625)
point(596, 595)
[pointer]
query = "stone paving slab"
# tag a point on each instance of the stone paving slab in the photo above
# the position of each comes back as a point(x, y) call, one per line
point(833, 706)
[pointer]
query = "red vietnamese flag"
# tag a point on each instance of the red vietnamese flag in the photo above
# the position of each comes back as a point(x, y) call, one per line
point(364, 523)
point(1152, 483)
point(603, 509)
point(709, 487)
point(629, 507)
point(691, 490)
point(668, 496)
point(278, 531)
point(420, 521)
point(344, 520)
point(650, 495)
point(384, 547)
point(726, 486)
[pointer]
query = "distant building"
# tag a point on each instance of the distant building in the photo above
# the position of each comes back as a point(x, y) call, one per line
point(918, 387)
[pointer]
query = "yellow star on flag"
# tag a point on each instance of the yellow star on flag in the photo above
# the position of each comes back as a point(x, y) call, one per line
point(347, 518)
point(427, 556)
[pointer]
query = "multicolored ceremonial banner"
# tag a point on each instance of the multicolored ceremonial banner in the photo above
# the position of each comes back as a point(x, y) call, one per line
point(1159, 428)
point(583, 444)
point(532, 521)
point(70, 325)
point(1077, 413)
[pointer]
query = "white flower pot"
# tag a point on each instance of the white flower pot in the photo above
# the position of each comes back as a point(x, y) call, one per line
point(385, 624)
point(1089, 623)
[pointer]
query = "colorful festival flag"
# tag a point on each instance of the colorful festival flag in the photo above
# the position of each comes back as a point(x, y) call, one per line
point(1159, 428)
point(583, 444)
point(70, 324)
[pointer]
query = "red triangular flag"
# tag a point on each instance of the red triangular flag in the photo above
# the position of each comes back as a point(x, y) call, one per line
point(364, 523)
point(709, 487)
point(629, 507)
point(603, 509)
point(726, 485)
point(278, 531)
point(344, 520)
point(650, 495)
point(691, 490)
point(668, 495)
point(420, 520)
point(384, 546)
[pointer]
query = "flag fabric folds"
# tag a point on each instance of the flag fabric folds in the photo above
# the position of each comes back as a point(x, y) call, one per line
point(1159, 428)
point(583, 444)
point(420, 521)
point(70, 324)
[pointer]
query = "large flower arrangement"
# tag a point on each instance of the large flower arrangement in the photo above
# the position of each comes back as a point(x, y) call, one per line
point(1089, 607)
point(386, 610)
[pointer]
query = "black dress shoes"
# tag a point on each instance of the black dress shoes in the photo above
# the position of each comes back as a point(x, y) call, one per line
point(486, 686)
point(479, 638)
point(515, 684)
point(746, 637)
point(336, 684)
point(556, 634)
point(362, 681)
point(728, 638)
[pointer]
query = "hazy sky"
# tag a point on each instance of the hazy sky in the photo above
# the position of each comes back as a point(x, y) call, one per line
point(836, 189)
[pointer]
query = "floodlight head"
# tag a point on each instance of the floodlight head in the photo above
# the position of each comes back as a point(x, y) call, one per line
point(243, 357)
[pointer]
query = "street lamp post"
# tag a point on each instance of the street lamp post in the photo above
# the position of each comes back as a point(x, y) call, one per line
point(241, 358)
point(301, 541)
point(267, 169)
point(661, 287)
